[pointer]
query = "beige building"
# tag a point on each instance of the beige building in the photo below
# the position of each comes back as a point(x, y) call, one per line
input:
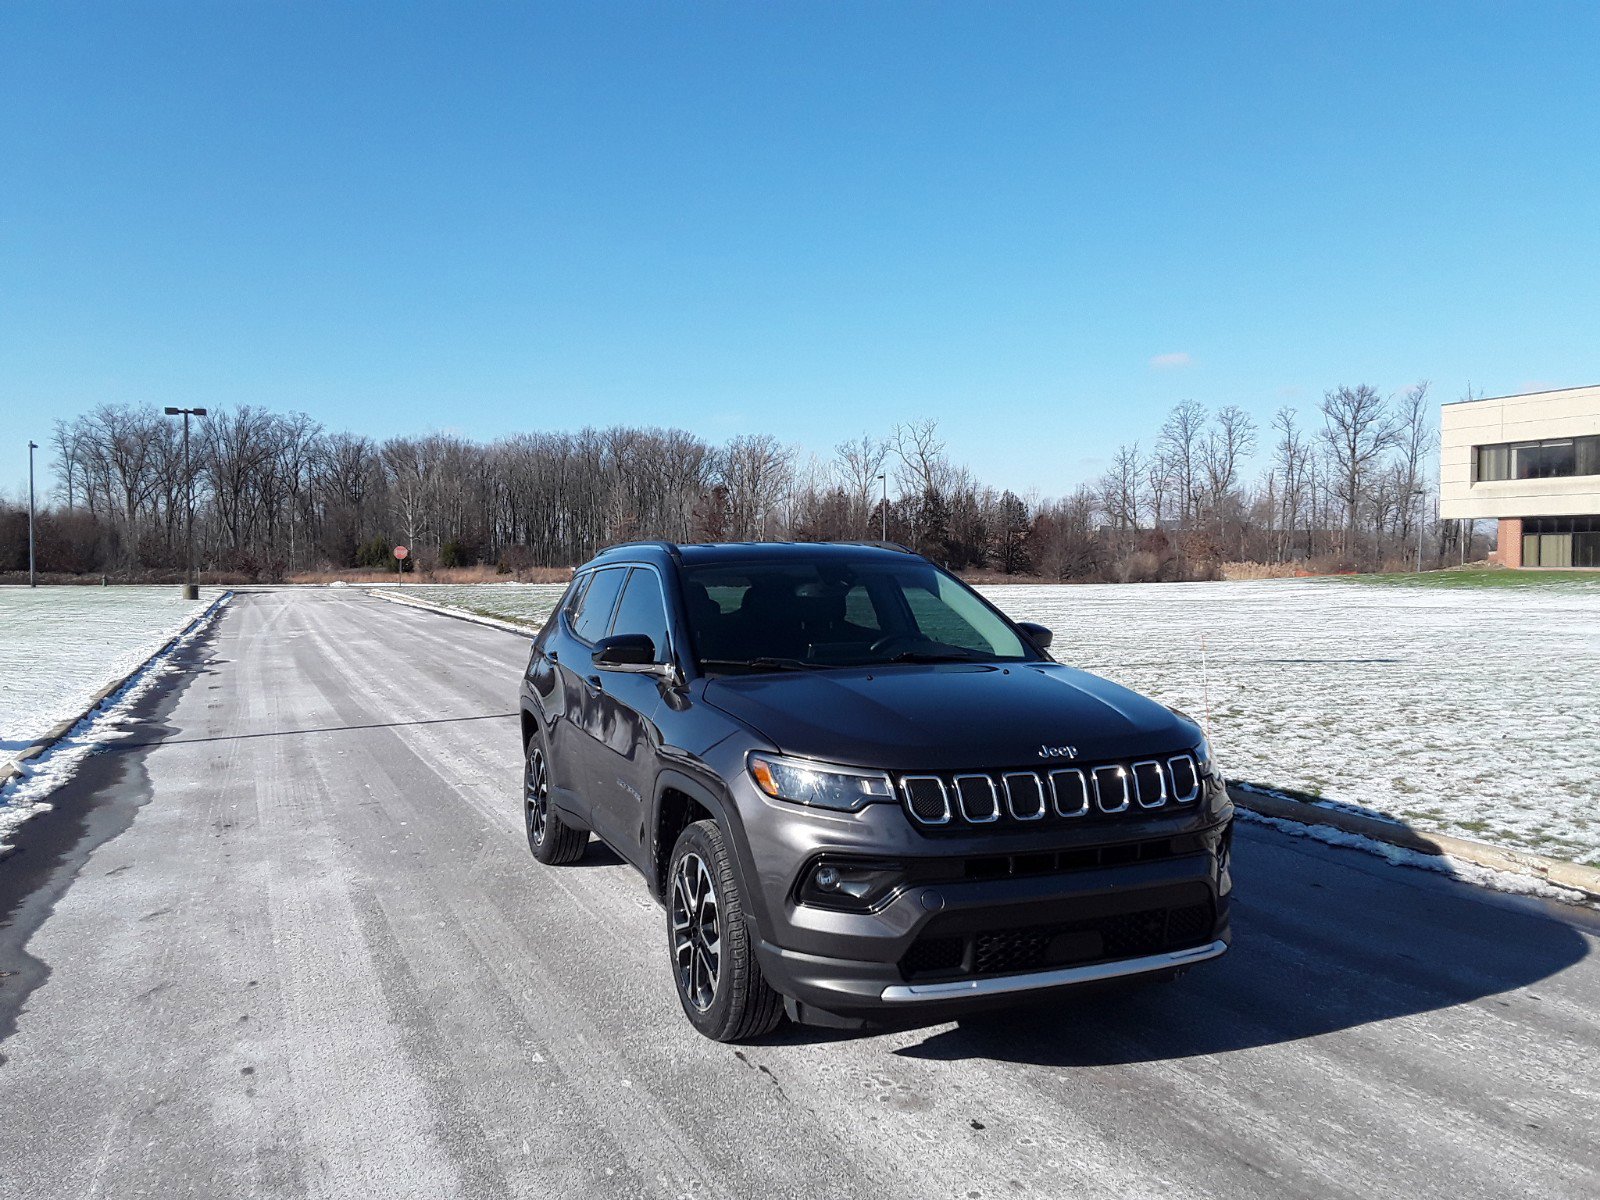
point(1533, 463)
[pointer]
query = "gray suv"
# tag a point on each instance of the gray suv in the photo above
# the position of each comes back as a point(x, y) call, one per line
point(862, 794)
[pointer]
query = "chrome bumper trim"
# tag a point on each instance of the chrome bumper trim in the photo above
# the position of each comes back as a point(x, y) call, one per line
point(999, 985)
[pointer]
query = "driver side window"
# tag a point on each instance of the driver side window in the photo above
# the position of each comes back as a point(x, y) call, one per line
point(643, 611)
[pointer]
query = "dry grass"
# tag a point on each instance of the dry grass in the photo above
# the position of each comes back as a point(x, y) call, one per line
point(478, 574)
point(1255, 570)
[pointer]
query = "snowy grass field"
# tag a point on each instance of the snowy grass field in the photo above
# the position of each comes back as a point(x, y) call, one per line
point(1461, 710)
point(60, 645)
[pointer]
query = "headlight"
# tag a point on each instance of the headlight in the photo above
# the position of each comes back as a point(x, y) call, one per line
point(820, 785)
point(1203, 756)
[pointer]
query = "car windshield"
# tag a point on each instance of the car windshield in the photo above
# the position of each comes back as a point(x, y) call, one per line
point(837, 613)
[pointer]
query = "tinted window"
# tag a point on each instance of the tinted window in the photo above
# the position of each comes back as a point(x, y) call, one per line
point(1553, 458)
point(840, 612)
point(594, 610)
point(575, 596)
point(643, 611)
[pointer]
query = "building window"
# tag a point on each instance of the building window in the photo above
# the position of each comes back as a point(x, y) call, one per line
point(1553, 458)
point(1561, 541)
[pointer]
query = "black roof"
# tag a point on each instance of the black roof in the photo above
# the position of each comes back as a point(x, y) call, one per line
point(714, 552)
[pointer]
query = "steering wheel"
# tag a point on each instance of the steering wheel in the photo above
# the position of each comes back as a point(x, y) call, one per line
point(897, 642)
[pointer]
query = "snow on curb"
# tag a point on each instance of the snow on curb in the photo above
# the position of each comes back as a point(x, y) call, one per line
point(1512, 871)
point(51, 760)
point(457, 613)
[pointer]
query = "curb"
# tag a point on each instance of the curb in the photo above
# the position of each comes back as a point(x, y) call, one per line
point(15, 769)
point(458, 614)
point(1287, 807)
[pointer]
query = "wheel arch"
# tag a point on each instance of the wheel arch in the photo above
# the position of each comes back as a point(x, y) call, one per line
point(680, 800)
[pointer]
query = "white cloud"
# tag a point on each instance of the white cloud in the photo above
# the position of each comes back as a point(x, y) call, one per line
point(1171, 362)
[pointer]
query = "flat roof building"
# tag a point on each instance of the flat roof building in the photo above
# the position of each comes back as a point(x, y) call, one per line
point(1532, 462)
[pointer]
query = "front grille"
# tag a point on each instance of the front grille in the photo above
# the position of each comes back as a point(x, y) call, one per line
point(1009, 798)
point(1077, 858)
point(1071, 943)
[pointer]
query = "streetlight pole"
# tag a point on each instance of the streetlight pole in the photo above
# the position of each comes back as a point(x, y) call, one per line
point(191, 587)
point(884, 511)
point(32, 577)
point(1418, 496)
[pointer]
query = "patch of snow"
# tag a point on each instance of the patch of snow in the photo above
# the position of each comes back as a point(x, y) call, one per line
point(25, 797)
point(1501, 881)
point(61, 645)
point(1469, 712)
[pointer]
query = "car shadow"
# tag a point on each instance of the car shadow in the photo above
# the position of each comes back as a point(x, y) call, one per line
point(1324, 939)
point(598, 854)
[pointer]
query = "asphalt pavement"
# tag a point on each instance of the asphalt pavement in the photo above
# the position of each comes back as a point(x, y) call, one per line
point(287, 940)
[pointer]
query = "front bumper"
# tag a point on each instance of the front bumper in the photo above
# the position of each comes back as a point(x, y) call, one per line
point(1071, 928)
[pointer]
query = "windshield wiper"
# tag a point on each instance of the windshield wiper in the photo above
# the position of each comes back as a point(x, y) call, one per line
point(937, 656)
point(763, 663)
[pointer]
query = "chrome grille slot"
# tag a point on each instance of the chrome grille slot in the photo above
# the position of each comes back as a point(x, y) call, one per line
point(1024, 795)
point(1013, 798)
point(927, 799)
point(1185, 778)
point(1070, 791)
point(980, 804)
point(1150, 783)
point(1111, 790)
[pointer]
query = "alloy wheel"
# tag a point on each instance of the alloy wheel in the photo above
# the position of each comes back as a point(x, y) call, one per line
point(536, 795)
point(696, 938)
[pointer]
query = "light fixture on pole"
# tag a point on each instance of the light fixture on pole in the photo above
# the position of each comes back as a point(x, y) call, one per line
point(191, 587)
point(32, 578)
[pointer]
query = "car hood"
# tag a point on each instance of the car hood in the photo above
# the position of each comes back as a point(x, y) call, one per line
point(950, 716)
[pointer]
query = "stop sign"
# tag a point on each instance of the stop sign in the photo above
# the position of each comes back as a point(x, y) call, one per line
point(401, 552)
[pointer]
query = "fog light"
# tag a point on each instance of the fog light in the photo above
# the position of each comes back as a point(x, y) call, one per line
point(857, 885)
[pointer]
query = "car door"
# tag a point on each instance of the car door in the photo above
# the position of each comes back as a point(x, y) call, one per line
point(571, 732)
point(625, 733)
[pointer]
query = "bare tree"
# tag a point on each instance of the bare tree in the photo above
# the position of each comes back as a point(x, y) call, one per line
point(1291, 459)
point(1180, 443)
point(1119, 489)
point(1358, 429)
point(756, 470)
point(858, 463)
point(1416, 441)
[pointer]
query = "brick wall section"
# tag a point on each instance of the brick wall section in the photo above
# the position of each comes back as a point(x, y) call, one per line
point(1510, 552)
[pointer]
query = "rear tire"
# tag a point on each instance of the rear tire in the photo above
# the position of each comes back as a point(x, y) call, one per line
point(719, 982)
point(552, 841)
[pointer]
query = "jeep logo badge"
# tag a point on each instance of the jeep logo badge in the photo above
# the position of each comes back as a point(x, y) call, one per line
point(1058, 752)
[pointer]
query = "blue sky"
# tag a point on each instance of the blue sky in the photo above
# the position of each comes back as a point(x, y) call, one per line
point(1042, 225)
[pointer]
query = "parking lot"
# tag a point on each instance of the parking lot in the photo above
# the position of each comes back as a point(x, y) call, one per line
point(287, 940)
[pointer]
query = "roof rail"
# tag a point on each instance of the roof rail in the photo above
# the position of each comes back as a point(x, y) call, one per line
point(881, 545)
point(656, 543)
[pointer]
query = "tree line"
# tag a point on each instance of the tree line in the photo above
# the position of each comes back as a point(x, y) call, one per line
point(274, 494)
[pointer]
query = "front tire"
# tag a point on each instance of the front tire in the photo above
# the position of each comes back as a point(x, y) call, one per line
point(552, 841)
point(720, 984)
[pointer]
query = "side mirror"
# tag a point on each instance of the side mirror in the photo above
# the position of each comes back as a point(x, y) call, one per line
point(1040, 634)
point(632, 653)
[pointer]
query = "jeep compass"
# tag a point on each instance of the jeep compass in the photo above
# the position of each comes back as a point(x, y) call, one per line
point(861, 792)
